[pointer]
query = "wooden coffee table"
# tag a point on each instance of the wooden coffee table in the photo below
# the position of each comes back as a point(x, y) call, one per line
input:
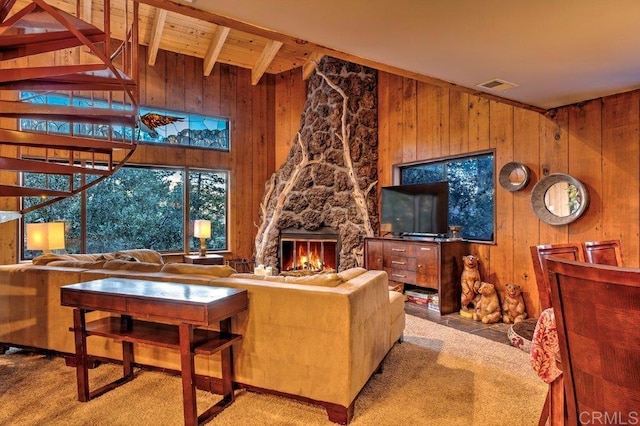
point(186, 307)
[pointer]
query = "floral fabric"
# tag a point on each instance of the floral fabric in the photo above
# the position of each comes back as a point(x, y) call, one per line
point(544, 347)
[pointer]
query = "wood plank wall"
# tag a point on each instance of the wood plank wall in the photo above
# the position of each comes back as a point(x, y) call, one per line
point(598, 142)
point(291, 93)
point(176, 82)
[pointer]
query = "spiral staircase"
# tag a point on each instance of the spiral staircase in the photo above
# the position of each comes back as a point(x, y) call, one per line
point(50, 53)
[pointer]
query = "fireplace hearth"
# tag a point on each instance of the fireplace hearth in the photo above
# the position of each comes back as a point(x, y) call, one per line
point(314, 251)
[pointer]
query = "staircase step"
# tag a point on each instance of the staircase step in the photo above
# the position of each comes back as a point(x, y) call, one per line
point(44, 140)
point(90, 80)
point(33, 30)
point(19, 191)
point(36, 166)
point(6, 215)
point(75, 114)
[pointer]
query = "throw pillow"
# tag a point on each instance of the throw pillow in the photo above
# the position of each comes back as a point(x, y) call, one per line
point(221, 271)
point(124, 265)
point(47, 258)
point(141, 255)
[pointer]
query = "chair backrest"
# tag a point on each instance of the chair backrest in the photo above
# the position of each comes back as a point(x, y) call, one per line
point(539, 254)
point(597, 313)
point(603, 252)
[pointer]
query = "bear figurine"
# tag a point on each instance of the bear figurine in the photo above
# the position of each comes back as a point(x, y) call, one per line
point(513, 310)
point(488, 307)
point(470, 282)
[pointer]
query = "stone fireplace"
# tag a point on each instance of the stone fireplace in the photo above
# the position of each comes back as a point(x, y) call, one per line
point(313, 251)
point(329, 178)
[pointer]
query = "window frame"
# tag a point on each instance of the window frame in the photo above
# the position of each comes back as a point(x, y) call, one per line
point(397, 180)
point(187, 223)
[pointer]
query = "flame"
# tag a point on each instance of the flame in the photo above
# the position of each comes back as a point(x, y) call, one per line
point(311, 260)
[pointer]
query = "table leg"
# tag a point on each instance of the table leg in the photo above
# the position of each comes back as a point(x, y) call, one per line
point(126, 325)
point(82, 368)
point(188, 375)
point(227, 364)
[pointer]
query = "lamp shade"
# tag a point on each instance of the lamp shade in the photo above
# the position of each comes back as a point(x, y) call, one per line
point(202, 228)
point(45, 236)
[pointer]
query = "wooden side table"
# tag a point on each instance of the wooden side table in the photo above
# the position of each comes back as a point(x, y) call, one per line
point(180, 309)
point(210, 259)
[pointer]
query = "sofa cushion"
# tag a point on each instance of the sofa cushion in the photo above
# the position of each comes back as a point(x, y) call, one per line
point(141, 255)
point(351, 273)
point(221, 271)
point(324, 280)
point(125, 265)
point(98, 264)
point(46, 258)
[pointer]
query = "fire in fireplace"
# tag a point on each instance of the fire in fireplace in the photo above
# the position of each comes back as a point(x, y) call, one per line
point(314, 251)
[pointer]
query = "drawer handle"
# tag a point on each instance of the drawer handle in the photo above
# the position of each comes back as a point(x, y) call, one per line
point(399, 276)
point(395, 262)
point(425, 248)
point(398, 249)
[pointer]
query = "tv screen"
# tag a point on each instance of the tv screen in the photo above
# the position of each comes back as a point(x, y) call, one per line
point(416, 209)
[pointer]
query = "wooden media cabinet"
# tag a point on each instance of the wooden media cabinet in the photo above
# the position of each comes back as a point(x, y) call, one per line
point(435, 265)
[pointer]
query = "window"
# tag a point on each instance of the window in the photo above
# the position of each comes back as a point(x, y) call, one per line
point(138, 207)
point(190, 129)
point(471, 190)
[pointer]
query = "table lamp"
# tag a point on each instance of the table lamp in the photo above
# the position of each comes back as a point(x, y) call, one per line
point(45, 236)
point(202, 230)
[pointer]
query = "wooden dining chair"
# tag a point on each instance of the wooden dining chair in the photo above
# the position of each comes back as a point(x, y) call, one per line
point(603, 252)
point(597, 313)
point(553, 408)
point(539, 254)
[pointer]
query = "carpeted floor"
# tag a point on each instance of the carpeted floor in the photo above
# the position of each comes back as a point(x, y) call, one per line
point(438, 376)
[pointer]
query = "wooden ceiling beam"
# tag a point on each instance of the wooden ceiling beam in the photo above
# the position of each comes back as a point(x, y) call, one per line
point(156, 35)
point(203, 15)
point(270, 51)
point(219, 37)
point(309, 67)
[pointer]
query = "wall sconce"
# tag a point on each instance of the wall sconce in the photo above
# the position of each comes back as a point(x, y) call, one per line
point(202, 230)
point(45, 236)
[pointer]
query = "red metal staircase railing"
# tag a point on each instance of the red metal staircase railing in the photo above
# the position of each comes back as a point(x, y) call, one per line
point(30, 38)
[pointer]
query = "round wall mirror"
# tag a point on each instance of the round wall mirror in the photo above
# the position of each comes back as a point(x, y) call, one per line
point(514, 176)
point(559, 199)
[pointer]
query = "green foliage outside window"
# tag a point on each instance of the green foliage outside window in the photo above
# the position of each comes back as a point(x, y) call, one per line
point(471, 191)
point(207, 199)
point(137, 208)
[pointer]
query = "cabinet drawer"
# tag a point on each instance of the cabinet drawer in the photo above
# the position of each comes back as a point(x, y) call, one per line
point(401, 275)
point(399, 249)
point(401, 263)
point(427, 254)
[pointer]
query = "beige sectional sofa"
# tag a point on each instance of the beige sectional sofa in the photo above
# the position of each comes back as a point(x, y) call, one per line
point(316, 338)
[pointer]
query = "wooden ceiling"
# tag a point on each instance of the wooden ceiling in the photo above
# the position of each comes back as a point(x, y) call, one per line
point(186, 30)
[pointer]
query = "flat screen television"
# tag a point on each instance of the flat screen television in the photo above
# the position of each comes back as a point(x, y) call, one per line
point(419, 209)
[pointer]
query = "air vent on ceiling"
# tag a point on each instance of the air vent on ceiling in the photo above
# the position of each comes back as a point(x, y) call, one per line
point(497, 85)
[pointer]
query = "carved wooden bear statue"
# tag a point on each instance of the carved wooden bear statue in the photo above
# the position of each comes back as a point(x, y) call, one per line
point(470, 282)
point(488, 308)
point(513, 310)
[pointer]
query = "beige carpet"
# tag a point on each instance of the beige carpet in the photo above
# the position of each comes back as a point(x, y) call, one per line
point(438, 376)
